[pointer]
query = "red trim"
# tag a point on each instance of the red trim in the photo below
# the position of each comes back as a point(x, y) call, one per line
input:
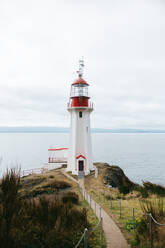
point(57, 149)
point(80, 101)
point(80, 156)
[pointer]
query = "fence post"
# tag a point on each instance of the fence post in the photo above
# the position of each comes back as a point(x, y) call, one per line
point(86, 238)
point(110, 201)
point(120, 208)
point(151, 243)
point(100, 213)
point(133, 216)
point(101, 232)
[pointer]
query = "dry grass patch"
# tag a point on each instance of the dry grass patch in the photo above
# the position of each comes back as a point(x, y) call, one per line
point(110, 199)
point(47, 183)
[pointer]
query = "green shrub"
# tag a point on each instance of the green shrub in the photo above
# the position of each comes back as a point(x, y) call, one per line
point(57, 185)
point(70, 197)
point(51, 176)
point(153, 206)
point(154, 188)
point(156, 208)
point(143, 191)
point(124, 189)
point(129, 224)
point(37, 222)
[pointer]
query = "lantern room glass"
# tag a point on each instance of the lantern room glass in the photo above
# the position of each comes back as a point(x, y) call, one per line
point(79, 90)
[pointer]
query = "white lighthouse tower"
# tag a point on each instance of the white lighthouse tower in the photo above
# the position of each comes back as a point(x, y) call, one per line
point(80, 108)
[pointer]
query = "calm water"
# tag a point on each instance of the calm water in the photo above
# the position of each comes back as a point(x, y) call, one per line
point(141, 156)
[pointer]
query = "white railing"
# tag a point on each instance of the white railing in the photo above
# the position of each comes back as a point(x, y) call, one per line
point(57, 160)
point(34, 171)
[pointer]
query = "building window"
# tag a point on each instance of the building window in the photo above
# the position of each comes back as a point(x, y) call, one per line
point(80, 114)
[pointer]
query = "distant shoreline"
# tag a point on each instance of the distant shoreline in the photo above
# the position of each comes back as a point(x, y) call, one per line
point(66, 130)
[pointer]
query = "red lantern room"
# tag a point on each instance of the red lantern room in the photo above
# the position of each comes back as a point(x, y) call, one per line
point(79, 90)
point(79, 93)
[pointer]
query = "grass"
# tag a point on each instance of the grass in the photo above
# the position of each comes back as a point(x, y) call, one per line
point(47, 183)
point(103, 194)
point(74, 176)
point(62, 216)
point(93, 220)
point(113, 207)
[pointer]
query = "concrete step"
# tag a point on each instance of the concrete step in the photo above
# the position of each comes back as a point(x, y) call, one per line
point(80, 174)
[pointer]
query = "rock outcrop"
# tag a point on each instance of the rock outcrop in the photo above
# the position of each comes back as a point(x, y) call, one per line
point(115, 177)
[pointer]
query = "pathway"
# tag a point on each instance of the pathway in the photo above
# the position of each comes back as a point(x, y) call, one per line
point(114, 237)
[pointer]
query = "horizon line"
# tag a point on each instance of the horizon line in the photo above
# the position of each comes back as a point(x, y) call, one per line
point(49, 129)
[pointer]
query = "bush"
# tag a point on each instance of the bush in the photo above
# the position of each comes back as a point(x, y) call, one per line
point(144, 192)
point(154, 188)
point(57, 185)
point(141, 235)
point(39, 222)
point(156, 208)
point(129, 224)
point(70, 197)
point(51, 176)
point(124, 189)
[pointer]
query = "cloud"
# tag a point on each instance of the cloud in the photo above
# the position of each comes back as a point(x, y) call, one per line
point(123, 46)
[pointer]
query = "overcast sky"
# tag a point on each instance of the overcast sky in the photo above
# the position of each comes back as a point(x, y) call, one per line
point(123, 44)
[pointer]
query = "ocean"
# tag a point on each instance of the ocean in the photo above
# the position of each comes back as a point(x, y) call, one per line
point(140, 155)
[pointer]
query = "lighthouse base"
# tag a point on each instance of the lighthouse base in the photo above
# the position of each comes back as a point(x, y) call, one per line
point(75, 172)
point(79, 165)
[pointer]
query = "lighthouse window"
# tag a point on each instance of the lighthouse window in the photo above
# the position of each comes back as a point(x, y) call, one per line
point(80, 114)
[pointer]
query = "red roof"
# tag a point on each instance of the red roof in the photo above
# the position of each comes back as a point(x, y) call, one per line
point(80, 81)
point(57, 149)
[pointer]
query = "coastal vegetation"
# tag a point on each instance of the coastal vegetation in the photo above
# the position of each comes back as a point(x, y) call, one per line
point(130, 204)
point(48, 210)
point(43, 211)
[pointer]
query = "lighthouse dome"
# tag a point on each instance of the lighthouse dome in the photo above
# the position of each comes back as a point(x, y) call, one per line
point(80, 81)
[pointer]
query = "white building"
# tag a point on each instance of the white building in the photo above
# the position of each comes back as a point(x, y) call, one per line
point(80, 108)
point(57, 157)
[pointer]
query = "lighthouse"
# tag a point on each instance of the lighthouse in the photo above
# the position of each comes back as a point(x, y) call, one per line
point(80, 108)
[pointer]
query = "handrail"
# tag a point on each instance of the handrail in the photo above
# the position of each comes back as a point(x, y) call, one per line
point(81, 238)
point(155, 220)
point(93, 229)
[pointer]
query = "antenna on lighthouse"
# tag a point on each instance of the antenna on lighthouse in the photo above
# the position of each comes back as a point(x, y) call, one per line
point(81, 67)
